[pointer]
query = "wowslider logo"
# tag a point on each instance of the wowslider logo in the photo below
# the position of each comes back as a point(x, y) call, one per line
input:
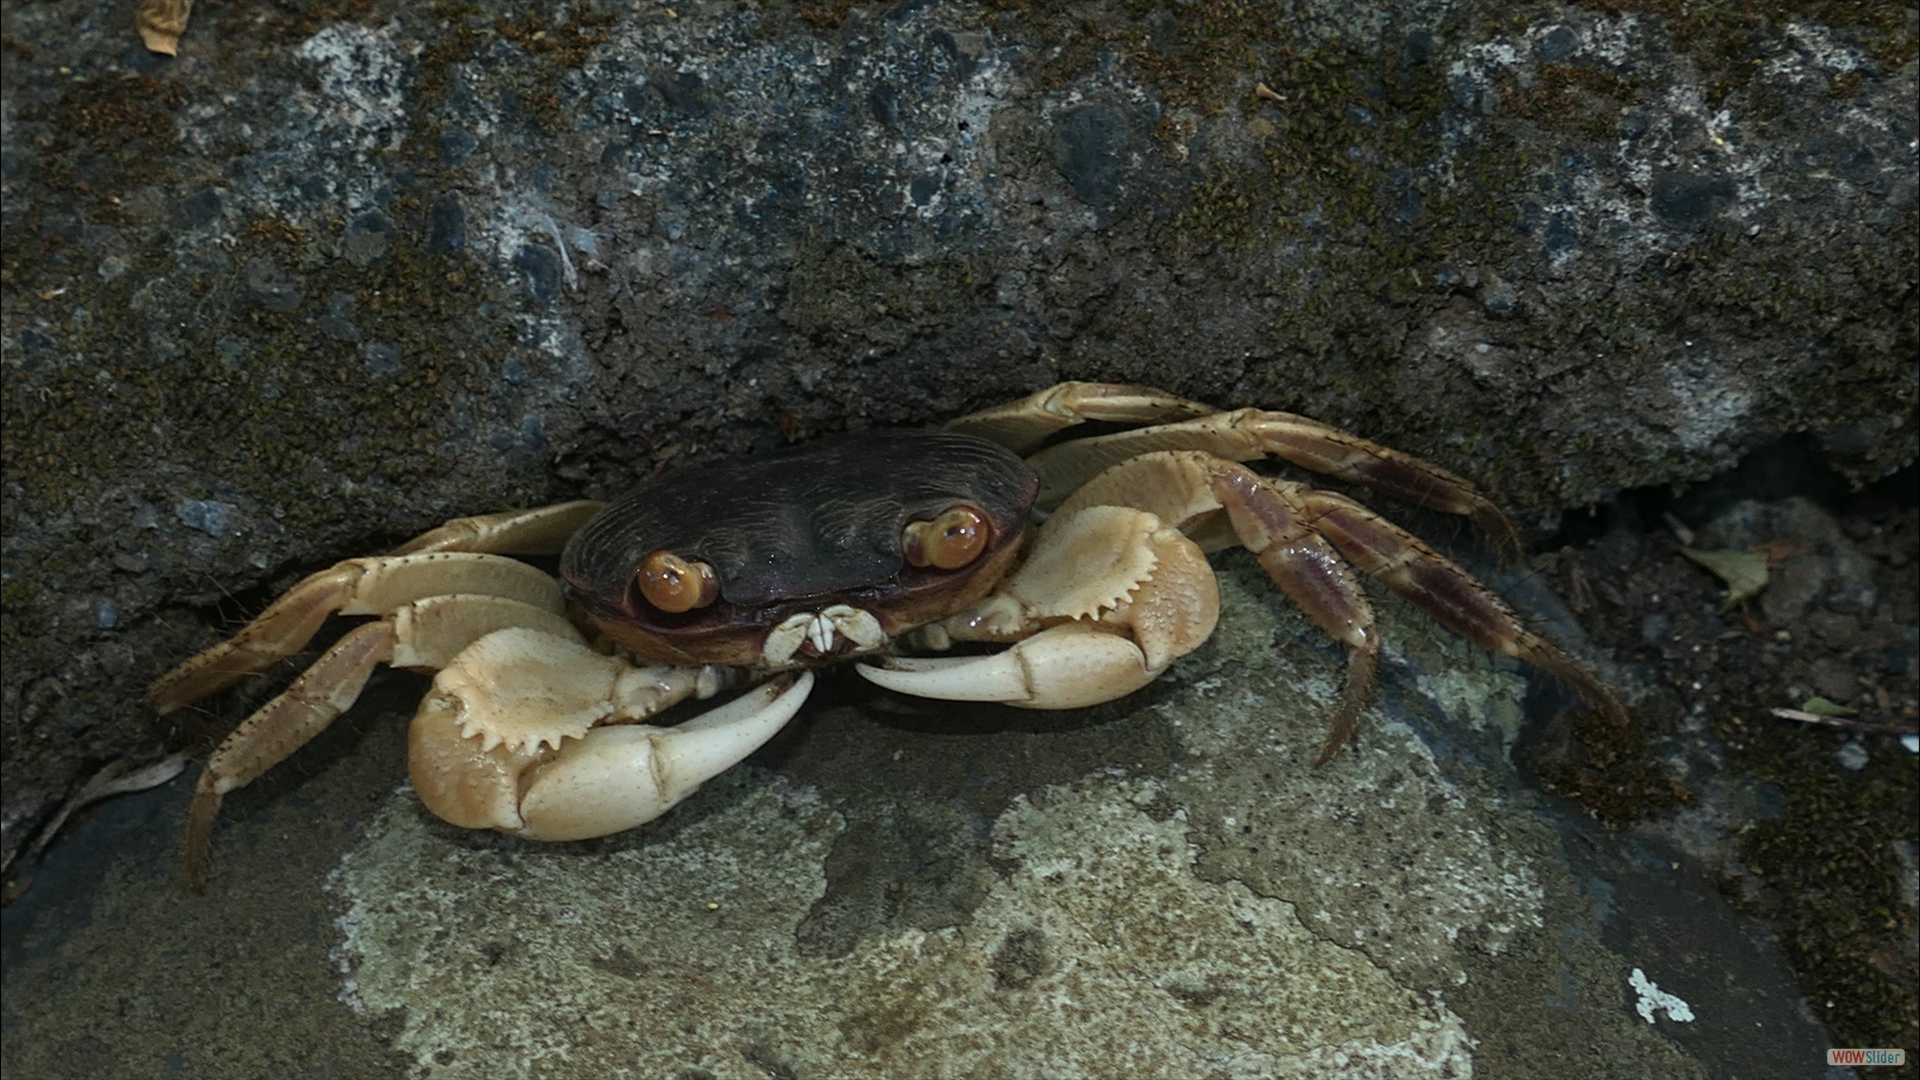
point(1866, 1057)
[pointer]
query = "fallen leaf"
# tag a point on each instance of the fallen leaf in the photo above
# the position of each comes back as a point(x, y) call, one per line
point(1779, 551)
point(161, 22)
point(1820, 706)
point(118, 778)
point(1745, 572)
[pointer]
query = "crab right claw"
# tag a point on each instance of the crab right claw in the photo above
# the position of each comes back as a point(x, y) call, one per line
point(627, 775)
point(1070, 666)
point(606, 779)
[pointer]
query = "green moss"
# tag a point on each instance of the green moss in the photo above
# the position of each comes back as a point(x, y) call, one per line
point(461, 41)
point(23, 616)
point(1347, 223)
point(566, 44)
point(228, 387)
point(1615, 774)
point(1335, 210)
point(1833, 881)
point(1728, 41)
point(291, 24)
point(258, 397)
point(552, 48)
point(837, 288)
point(1317, 215)
point(131, 116)
point(1575, 98)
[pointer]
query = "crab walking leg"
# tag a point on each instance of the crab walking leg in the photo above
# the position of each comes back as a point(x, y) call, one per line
point(1272, 523)
point(371, 586)
point(571, 782)
point(1460, 601)
point(1115, 596)
point(541, 531)
point(429, 634)
point(1220, 502)
point(1252, 434)
point(1022, 425)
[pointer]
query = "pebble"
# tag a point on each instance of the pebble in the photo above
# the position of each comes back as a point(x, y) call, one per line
point(1834, 680)
point(1852, 756)
point(204, 515)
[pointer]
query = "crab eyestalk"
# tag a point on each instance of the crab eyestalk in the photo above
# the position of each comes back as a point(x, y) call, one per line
point(676, 585)
point(948, 542)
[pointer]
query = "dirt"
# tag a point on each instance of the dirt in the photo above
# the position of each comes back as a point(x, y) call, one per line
point(1808, 826)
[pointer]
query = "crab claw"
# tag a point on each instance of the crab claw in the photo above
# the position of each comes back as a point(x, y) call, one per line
point(1069, 666)
point(614, 778)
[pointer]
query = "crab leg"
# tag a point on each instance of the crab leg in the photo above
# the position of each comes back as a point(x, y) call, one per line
point(1271, 522)
point(1189, 489)
point(427, 633)
point(562, 759)
point(1252, 434)
point(1023, 425)
point(1241, 435)
point(371, 586)
point(541, 531)
point(1460, 601)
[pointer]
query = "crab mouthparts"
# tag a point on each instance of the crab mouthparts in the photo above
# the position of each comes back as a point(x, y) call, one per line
point(822, 634)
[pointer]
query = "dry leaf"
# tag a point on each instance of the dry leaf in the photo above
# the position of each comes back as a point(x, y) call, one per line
point(161, 22)
point(118, 778)
point(1745, 572)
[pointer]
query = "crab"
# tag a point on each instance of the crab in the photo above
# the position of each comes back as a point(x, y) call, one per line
point(874, 547)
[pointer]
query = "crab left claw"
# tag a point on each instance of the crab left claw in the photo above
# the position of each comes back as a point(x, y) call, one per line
point(1108, 598)
point(1070, 666)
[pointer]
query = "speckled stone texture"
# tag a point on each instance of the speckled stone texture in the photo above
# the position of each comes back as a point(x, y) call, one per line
point(336, 274)
point(1160, 887)
point(324, 280)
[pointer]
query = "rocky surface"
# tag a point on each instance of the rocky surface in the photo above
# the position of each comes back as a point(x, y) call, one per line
point(1163, 886)
point(336, 274)
point(1163, 883)
point(1808, 822)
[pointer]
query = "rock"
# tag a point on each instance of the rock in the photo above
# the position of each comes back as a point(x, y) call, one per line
point(597, 239)
point(1834, 680)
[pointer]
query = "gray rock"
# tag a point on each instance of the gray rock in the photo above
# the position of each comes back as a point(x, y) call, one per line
point(636, 236)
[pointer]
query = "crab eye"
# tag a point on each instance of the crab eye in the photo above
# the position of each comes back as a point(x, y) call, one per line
point(674, 584)
point(949, 541)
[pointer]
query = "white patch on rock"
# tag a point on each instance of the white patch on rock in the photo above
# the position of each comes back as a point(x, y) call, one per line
point(1709, 403)
point(362, 72)
point(1099, 952)
point(1653, 998)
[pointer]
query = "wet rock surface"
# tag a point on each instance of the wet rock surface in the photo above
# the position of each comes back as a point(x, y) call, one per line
point(331, 277)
